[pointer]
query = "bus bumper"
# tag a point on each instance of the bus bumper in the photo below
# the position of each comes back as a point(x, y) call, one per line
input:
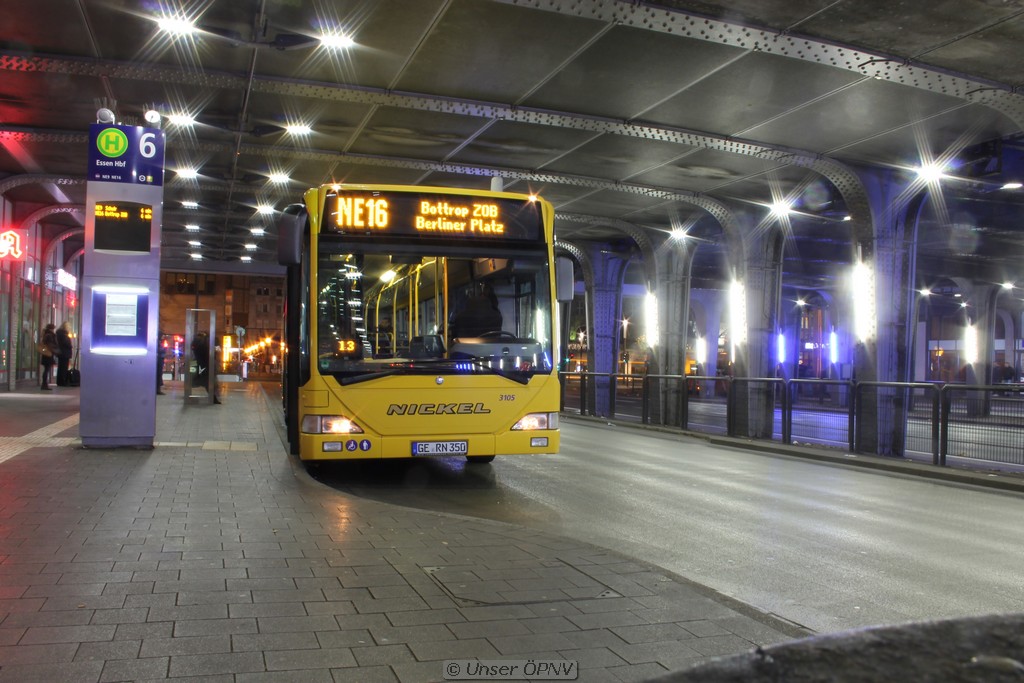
point(368, 447)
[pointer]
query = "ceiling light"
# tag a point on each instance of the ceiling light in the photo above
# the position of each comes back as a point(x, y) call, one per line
point(925, 291)
point(930, 173)
point(187, 173)
point(700, 350)
point(196, 257)
point(195, 243)
point(265, 208)
point(678, 234)
point(865, 321)
point(336, 41)
point(298, 129)
point(192, 227)
point(847, 218)
point(181, 119)
point(1012, 186)
point(1007, 285)
point(387, 276)
point(251, 246)
point(176, 26)
point(246, 259)
point(190, 204)
point(780, 208)
point(279, 178)
point(971, 344)
point(257, 232)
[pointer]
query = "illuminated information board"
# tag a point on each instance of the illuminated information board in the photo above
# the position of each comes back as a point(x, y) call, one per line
point(439, 216)
point(348, 347)
point(123, 226)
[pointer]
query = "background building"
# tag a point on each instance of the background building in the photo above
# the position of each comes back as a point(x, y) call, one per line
point(253, 305)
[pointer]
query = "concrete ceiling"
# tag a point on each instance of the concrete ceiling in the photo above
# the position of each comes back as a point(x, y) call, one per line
point(642, 112)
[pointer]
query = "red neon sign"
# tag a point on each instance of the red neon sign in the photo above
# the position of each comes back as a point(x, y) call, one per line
point(10, 245)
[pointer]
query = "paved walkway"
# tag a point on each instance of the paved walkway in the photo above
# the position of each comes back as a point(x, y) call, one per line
point(215, 557)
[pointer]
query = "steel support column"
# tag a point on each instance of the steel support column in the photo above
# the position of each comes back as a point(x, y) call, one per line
point(896, 205)
point(981, 314)
point(674, 310)
point(756, 358)
point(606, 313)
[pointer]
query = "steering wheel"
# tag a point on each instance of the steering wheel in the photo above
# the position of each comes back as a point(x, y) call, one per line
point(498, 334)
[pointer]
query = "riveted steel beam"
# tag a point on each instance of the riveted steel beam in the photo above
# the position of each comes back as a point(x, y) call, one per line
point(581, 257)
point(42, 213)
point(21, 134)
point(635, 232)
point(9, 183)
point(51, 246)
point(844, 179)
point(999, 96)
point(716, 208)
point(721, 212)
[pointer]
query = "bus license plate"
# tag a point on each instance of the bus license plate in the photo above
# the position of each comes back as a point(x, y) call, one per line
point(440, 447)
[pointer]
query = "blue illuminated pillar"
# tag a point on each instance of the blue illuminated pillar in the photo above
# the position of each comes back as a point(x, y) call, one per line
point(606, 300)
point(754, 402)
point(121, 286)
point(882, 350)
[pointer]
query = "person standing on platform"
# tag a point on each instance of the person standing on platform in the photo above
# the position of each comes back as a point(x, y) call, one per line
point(48, 351)
point(161, 353)
point(201, 352)
point(65, 350)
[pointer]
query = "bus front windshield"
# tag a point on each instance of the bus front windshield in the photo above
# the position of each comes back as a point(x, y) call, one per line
point(382, 314)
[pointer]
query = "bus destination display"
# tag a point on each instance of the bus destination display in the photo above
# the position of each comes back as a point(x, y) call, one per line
point(433, 215)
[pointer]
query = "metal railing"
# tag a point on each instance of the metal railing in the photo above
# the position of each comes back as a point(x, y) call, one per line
point(891, 399)
point(920, 419)
point(988, 418)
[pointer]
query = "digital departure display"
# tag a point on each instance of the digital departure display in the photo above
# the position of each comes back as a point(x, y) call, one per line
point(433, 215)
point(348, 347)
point(123, 226)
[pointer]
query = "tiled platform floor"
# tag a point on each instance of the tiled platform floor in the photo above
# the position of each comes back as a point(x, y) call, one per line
point(215, 557)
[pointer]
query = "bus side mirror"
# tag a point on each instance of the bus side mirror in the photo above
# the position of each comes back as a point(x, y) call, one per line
point(564, 282)
point(289, 235)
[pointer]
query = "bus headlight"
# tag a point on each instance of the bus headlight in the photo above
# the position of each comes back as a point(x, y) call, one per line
point(329, 424)
point(532, 421)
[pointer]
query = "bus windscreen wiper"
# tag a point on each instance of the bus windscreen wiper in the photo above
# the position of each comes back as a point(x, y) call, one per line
point(481, 363)
point(474, 362)
point(366, 376)
point(432, 364)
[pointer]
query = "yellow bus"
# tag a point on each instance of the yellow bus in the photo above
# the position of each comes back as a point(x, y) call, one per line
point(419, 322)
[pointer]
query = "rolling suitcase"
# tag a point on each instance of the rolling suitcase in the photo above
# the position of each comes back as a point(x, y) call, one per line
point(74, 375)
